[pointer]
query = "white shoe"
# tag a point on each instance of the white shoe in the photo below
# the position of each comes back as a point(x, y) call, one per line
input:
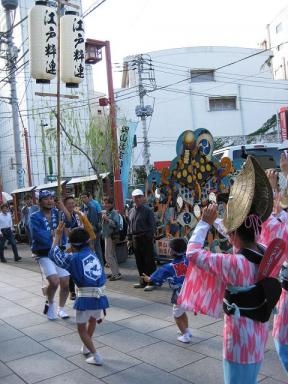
point(188, 332)
point(149, 288)
point(51, 312)
point(186, 338)
point(62, 314)
point(95, 359)
point(84, 350)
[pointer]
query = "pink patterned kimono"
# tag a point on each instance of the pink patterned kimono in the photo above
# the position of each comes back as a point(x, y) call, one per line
point(203, 290)
point(278, 227)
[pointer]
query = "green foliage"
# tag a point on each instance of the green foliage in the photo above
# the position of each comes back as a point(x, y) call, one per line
point(219, 143)
point(270, 124)
point(91, 137)
point(98, 140)
point(140, 175)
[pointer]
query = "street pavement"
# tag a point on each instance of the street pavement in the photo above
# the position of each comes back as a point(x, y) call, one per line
point(138, 339)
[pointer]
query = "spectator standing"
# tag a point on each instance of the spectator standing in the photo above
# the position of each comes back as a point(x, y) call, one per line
point(42, 226)
point(110, 229)
point(26, 212)
point(89, 198)
point(6, 233)
point(71, 220)
point(141, 229)
point(91, 210)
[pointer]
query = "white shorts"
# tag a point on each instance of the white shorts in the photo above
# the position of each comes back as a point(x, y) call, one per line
point(178, 311)
point(84, 316)
point(48, 268)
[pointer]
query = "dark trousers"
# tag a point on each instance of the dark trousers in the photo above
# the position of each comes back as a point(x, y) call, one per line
point(144, 254)
point(98, 249)
point(8, 235)
point(71, 285)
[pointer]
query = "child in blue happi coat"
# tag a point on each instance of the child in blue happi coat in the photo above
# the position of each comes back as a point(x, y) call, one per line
point(174, 273)
point(89, 277)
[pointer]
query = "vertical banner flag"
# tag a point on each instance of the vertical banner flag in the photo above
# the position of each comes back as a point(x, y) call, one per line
point(126, 137)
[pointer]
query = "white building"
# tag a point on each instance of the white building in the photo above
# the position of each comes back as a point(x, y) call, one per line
point(227, 90)
point(38, 117)
point(276, 40)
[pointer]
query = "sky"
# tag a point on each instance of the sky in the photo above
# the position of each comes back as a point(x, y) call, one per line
point(139, 26)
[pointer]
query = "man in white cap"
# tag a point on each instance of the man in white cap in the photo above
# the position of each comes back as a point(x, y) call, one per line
point(141, 229)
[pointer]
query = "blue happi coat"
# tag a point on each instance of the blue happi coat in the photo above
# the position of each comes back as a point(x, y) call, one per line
point(86, 271)
point(173, 272)
point(41, 231)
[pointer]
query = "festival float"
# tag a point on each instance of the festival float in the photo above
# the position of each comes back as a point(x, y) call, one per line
point(178, 194)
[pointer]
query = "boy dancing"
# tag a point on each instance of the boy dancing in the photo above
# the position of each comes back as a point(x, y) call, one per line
point(174, 273)
point(88, 275)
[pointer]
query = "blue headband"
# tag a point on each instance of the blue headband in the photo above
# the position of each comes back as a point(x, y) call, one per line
point(45, 193)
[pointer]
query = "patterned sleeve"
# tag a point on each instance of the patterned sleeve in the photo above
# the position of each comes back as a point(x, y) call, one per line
point(218, 225)
point(224, 266)
point(274, 227)
point(60, 258)
point(283, 217)
point(160, 276)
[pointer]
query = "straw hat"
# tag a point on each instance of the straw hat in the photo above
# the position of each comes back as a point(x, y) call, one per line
point(251, 186)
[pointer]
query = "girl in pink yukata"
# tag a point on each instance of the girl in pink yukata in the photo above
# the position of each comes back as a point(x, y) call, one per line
point(213, 278)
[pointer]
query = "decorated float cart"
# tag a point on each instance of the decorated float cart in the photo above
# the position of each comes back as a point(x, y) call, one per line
point(178, 194)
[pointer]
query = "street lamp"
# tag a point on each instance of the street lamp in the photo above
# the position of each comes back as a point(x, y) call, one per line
point(93, 50)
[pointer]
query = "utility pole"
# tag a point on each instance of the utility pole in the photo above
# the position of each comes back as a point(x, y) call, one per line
point(44, 149)
point(144, 67)
point(58, 106)
point(11, 64)
point(94, 55)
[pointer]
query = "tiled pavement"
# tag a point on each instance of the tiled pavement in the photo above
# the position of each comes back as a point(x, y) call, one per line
point(137, 339)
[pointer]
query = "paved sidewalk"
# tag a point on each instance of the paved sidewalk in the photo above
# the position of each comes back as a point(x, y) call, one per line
point(137, 339)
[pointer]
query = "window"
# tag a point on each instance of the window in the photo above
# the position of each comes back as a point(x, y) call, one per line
point(225, 103)
point(278, 27)
point(201, 75)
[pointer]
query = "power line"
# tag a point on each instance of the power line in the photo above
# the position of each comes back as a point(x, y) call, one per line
point(89, 10)
point(13, 27)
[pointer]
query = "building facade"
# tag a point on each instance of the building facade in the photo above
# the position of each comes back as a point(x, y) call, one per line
point(37, 114)
point(276, 40)
point(229, 91)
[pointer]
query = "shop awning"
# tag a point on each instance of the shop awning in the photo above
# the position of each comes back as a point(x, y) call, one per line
point(21, 190)
point(50, 185)
point(84, 179)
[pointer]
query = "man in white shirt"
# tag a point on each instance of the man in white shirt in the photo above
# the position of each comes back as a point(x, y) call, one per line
point(6, 233)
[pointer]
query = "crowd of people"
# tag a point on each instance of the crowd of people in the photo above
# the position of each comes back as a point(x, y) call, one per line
point(66, 241)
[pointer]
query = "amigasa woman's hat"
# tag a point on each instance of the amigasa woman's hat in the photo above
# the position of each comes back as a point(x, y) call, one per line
point(251, 187)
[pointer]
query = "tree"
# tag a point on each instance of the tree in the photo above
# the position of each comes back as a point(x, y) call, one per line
point(92, 137)
point(218, 143)
point(140, 174)
point(270, 124)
